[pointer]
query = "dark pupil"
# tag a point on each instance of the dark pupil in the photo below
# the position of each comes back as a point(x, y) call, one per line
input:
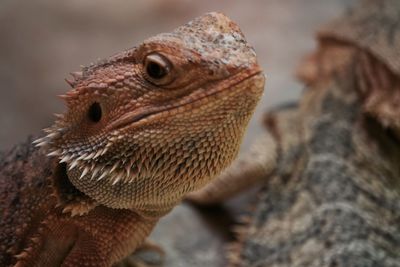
point(155, 71)
point(95, 112)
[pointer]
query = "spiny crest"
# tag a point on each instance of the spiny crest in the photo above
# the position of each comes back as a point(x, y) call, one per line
point(115, 173)
point(76, 155)
point(85, 161)
point(53, 133)
point(60, 124)
point(77, 76)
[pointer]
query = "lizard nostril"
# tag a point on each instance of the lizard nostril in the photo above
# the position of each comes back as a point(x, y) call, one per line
point(95, 112)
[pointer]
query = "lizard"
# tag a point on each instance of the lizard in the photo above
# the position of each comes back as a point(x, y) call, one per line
point(327, 165)
point(142, 129)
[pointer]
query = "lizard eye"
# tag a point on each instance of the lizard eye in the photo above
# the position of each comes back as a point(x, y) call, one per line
point(157, 69)
point(95, 112)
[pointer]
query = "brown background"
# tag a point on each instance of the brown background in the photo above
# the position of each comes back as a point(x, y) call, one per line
point(43, 40)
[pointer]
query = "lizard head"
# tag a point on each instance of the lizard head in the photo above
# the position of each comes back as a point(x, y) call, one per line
point(150, 124)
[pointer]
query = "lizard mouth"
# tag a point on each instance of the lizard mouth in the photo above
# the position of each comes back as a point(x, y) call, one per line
point(142, 114)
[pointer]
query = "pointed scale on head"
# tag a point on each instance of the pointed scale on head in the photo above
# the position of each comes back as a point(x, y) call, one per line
point(150, 124)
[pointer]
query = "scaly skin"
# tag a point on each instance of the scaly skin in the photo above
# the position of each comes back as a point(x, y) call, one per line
point(142, 129)
point(329, 166)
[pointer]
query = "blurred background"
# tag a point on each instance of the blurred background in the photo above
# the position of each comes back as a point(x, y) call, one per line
point(41, 41)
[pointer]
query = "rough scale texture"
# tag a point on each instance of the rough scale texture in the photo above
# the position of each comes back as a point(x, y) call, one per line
point(142, 129)
point(329, 165)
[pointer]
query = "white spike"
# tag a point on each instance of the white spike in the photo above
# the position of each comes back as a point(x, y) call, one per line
point(52, 135)
point(116, 180)
point(114, 167)
point(73, 164)
point(85, 171)
point(65, 158)
point(90, 156)
point(54, 153)
point(41, 144)
point(59, 116)
point(81, 157)
point(112, 139)
point(97, 154)
point(39, 140)
point(104, 151)
point(48, 130)
point(104, 174)
point(95, 171)
point(124, 178)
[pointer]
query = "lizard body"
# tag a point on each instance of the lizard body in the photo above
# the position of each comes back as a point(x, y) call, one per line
point(142, 129)
point(328, 165)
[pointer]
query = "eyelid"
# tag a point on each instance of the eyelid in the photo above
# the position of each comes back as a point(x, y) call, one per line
point(159, 59)
point(163, 61)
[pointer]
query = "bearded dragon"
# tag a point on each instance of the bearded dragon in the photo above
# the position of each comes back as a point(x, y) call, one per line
point(328, 165)
point(143, 128)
